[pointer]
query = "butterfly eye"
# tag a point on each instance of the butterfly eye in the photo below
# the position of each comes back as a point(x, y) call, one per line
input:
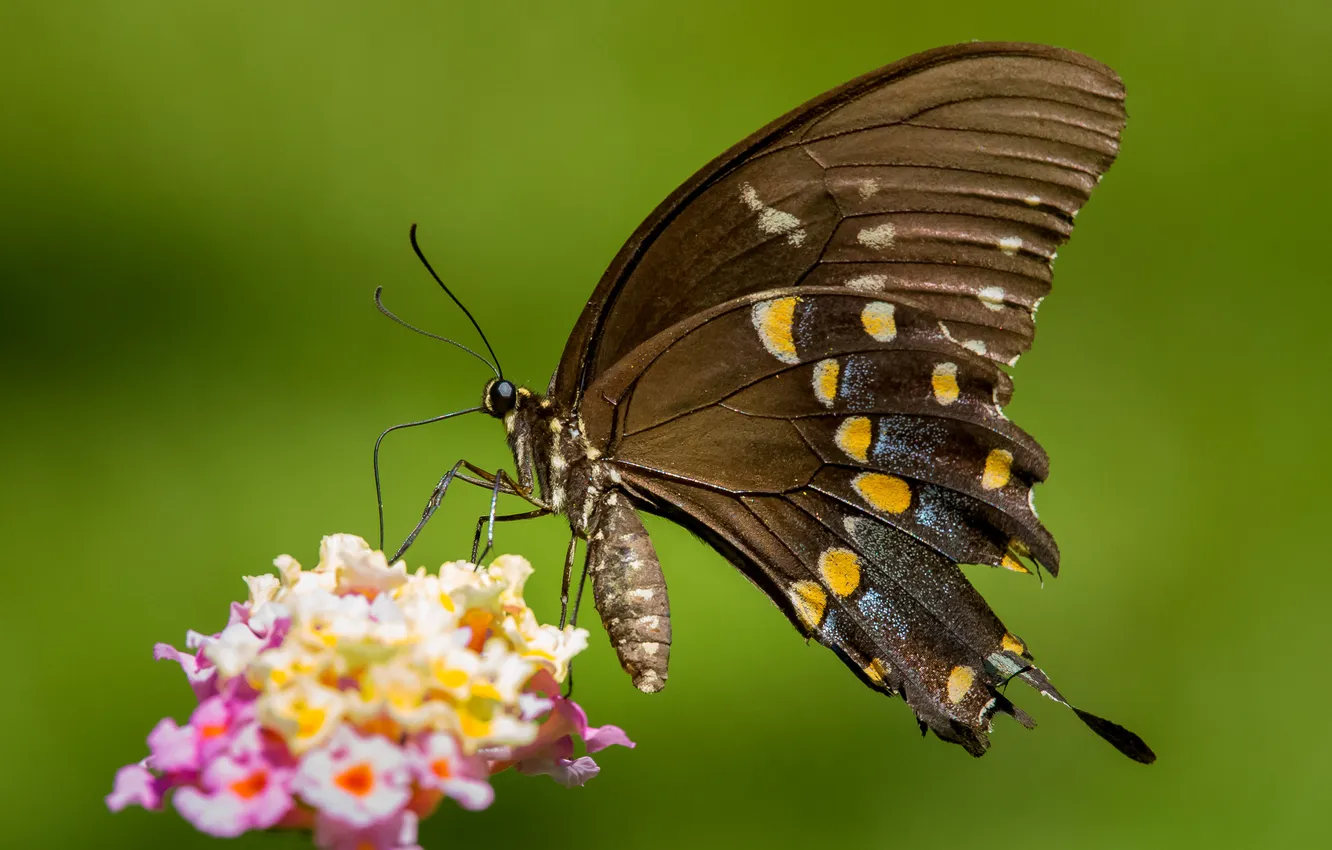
point(501, 396)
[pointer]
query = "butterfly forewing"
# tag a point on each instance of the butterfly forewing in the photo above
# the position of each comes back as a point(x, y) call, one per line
point(956, 172)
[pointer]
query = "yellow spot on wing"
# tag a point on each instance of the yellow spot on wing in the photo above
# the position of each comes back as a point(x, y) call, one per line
point(826, 373)
point(1012, 644)
point(886, 493)
point(877, 319)
point(809, 601)
point(853, 437)
point(841, 569)
point(1010, 563)
point(773, 321)
point(959, 682)
point(877, 671)
point(944, 381)
point(998, 469)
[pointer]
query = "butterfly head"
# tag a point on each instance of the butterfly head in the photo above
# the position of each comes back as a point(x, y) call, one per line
point(500, 397)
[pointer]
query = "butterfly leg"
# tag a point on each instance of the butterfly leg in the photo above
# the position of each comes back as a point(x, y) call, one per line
point(500, 483)
point(578, 597)
point(432, 505)
point(481, 521)
point(564, 602)
point(508, 486)
point(569, 557)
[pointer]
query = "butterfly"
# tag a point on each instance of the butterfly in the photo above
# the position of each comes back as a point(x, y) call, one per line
point(799, 357)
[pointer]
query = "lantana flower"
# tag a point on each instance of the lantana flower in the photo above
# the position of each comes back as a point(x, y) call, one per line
point(351, 699)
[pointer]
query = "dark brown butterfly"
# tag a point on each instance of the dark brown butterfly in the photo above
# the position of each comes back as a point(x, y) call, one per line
point(797, 356)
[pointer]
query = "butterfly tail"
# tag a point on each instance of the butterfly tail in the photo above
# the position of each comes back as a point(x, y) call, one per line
point(1118, 737)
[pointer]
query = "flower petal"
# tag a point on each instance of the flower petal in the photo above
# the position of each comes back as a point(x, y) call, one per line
point(135, 786)
point(199, 671)
point(175, 749)
point(567, 772)
point(600, 737)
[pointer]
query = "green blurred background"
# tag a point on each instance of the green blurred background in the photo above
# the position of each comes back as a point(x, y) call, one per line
point(199, 199)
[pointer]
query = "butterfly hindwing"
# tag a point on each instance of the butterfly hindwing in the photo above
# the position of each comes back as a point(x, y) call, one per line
point(687, 411)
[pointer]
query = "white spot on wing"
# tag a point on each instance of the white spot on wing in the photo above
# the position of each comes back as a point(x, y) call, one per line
point(772, 221)
point(976, 345)
point(868, 282)
point(1010, 244)
point(1032, 200)
point(868, 187)
point(879, 237)
point(992, 297)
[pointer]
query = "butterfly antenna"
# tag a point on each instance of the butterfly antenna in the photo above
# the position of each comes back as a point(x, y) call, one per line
point(387, 312)
point(499, 372)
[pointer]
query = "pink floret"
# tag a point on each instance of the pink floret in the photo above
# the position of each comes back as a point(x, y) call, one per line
point(199, 671)
point(135, 786)
point(174, 749)
point(396, 833)
point(236, 797)
point(550, 754)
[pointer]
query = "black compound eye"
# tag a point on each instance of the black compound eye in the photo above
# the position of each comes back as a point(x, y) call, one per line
point(501, 397)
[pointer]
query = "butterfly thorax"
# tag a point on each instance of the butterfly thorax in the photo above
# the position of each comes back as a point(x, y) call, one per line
point(553, 457)
point(558, 464)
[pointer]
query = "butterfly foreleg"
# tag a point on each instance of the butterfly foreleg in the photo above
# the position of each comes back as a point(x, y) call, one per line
point(432, 505)
point(508, 486)
point(496, 483)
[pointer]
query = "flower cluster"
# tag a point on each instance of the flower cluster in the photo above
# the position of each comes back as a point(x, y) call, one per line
point(352, 698)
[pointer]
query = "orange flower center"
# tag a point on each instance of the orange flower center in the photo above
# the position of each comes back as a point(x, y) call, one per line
point(441, 768)
point(479, 622)
point(251, 786)
point(357, 781)
point(382, 725)
point(212, 730)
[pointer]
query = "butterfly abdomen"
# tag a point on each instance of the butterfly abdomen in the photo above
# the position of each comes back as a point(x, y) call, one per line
point(630, 592)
